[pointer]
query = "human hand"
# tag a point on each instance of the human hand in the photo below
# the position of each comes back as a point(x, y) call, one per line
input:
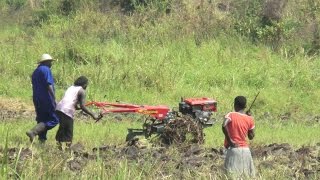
point(232, 144)
point(77, 107)
point(97, 117)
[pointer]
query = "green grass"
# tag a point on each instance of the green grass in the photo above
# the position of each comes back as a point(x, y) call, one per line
point(163, 75)
point(109, 131)
point(48, 162)
point(146, 65)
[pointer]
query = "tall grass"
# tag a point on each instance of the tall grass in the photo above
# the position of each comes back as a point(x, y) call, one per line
point(156, 61)
point(162, 73)
point(5, 159)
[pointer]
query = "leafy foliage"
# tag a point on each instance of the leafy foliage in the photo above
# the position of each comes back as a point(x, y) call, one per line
point(194, 49)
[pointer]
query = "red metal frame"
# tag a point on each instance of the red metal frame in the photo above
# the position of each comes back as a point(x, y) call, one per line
point(158, 112)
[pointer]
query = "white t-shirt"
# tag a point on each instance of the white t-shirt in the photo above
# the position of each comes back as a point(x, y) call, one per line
point(68, 103)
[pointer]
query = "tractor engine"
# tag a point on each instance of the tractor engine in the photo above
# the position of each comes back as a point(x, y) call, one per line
point(199, 109)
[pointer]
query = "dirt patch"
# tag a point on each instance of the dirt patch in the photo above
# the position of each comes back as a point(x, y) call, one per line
point(12, 154)
point(15, 109)
point(303, 160)
point(298, 163)
point(302, 163)
point(15, 157)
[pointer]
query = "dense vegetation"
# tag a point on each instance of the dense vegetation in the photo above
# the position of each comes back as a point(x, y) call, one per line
point(157, 51)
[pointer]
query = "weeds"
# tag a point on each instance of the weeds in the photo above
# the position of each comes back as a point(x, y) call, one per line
point(5, 159)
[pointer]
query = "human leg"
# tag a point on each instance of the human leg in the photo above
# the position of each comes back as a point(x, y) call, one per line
point(248, 161)
point(65, 131)
point(239, 163)
point(38, 129)
point(43, 136)
point(46, 119)
point(50, 119)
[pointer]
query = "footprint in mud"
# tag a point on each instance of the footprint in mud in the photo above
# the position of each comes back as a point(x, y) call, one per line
point(131, 152)
point(77, 164)
point(16, 153)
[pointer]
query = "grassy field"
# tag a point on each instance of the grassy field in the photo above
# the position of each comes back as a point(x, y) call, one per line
point(111, 131)
point(157, 62)
point(45, 161)
point(149, 56)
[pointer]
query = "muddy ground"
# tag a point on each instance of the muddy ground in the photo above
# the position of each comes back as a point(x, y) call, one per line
point(298, 163)
point(15, 109)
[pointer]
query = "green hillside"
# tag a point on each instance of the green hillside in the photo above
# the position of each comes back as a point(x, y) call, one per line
point(154, 52)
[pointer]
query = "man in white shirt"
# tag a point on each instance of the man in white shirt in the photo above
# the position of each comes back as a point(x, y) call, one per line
point(74, 96)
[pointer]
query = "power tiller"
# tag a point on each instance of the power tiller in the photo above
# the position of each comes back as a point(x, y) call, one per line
point(158, 117)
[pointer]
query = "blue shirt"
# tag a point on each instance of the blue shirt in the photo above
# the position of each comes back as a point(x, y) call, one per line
point(41, 79)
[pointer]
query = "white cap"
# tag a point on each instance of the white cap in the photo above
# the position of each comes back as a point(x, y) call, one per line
point(45, 57)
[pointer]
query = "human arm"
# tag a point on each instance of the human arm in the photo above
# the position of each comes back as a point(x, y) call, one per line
point(48, 81)
point(77, 107)
point(230, 142)
point(251, 134)
point(45, 77)
point(81, 100)
point(51, 92)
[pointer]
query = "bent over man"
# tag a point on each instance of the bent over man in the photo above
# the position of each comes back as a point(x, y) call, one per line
point(236, 127)
point(43, 99)
point(74, 96)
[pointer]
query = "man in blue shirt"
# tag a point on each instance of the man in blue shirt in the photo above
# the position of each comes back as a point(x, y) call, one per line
point(43, 99)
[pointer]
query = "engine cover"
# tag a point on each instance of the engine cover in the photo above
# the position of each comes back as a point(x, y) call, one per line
point(201, 109)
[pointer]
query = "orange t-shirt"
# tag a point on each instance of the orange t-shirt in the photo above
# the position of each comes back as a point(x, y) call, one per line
point(238, 125)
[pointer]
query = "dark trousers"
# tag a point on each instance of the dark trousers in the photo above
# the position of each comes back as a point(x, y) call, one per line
point(65, 131)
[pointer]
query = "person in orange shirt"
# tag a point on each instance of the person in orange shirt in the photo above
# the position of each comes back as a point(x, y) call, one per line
point(236, 127)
